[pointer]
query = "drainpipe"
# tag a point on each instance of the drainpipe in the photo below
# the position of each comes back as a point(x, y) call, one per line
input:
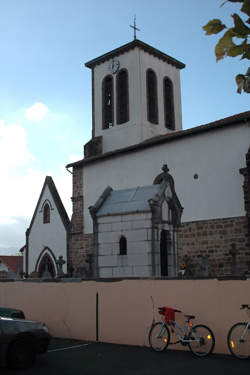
point(92, 211)
point(153, 249)
point(155, 210)
point(67, 169)
point(27, 254)
point(95, 260)
point(175, 250)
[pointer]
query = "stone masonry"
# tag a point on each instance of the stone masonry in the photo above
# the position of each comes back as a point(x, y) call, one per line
point(137, 230)
point(80, 244)
point(246, 188)
point(217, 240)
point(214, 239)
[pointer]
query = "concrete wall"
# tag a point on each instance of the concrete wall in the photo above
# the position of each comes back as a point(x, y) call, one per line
point(125, 308)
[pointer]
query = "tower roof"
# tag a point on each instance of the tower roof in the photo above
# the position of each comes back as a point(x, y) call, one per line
point(129, 46)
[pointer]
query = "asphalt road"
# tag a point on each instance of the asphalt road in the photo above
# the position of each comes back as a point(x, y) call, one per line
point(72, 357)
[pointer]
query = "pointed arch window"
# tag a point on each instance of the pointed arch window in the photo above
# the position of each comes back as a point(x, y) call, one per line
point(123, 245)
point(46, 214)
point(46, 267)
point(152, 100)
point(168, 94)
point(122, 98)
point(107, 102)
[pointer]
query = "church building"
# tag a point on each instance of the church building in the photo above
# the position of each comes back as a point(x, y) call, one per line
point(149, 197)
point(45, 252)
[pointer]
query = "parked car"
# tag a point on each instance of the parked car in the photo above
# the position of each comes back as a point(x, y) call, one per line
point(20, 342)
point(8, 312)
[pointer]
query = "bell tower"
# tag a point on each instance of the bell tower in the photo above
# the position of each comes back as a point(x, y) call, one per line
point(135, 96)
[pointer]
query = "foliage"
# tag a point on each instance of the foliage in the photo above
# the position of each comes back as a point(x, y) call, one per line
point(235, 41)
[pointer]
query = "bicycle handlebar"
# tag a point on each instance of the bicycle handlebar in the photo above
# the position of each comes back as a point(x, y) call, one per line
point(163, 309)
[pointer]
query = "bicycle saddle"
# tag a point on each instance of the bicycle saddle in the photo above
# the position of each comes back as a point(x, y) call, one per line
point(189, 317)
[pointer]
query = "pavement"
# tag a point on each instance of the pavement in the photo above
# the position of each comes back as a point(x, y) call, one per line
point(75, 357)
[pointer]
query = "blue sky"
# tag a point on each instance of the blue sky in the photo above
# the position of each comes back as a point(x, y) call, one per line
point(45, 89)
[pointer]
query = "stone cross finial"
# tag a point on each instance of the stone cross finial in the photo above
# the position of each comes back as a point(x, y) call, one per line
point(165, 168)
point(60, 262)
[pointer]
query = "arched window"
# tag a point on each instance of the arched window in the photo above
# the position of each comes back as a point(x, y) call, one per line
point(107, 103)
point(46, 214)
point(123, 245)
point(122, 97)
point(46, 267)
point(168, 94)
point(152, 101)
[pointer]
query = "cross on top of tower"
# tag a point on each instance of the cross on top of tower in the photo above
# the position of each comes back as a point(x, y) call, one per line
point(134, 27)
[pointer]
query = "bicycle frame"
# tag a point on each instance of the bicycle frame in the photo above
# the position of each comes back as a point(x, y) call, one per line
point(181, 333)
point(245, 333)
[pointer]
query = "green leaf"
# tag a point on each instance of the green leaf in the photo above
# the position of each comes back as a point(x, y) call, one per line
point(246, 7)
point(235, 51)
point(224, 44)
point(214, 27)
point(246, 54)
point(239, 26)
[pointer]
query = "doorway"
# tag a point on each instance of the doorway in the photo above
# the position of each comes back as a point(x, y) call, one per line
point(165, 242)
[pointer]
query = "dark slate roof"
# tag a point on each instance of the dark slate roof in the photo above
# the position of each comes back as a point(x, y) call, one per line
point(169, 137)
point(128, 200)
point(127, 47)
point(56, 197)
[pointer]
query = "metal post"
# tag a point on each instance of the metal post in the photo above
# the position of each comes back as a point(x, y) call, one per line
point(97, 317)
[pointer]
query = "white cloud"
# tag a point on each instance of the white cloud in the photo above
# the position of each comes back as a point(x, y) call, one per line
point(13, 146)
point(36, 112)
point(73, 158)
point(21, 185)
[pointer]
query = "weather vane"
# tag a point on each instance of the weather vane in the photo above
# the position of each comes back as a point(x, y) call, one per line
point(134, 27)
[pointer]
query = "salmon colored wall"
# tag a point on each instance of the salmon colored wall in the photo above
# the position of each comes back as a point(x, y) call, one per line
point(125, 307)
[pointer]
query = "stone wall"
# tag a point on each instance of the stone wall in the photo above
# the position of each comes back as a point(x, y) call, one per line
point(80, 245)
point(246, 188)
point(214, 240)
point(137, 230)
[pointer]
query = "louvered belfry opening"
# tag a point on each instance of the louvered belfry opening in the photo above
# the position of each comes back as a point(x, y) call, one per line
point(168, 103)
point(152, 100)
point(108, 102)
point(122, 97)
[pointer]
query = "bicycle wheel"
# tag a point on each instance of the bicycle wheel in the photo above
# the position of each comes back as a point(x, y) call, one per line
point(203, 340)
point(238, 341)
point(159, 337)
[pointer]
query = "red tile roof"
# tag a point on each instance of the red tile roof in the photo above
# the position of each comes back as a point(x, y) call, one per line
point(13, 262)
